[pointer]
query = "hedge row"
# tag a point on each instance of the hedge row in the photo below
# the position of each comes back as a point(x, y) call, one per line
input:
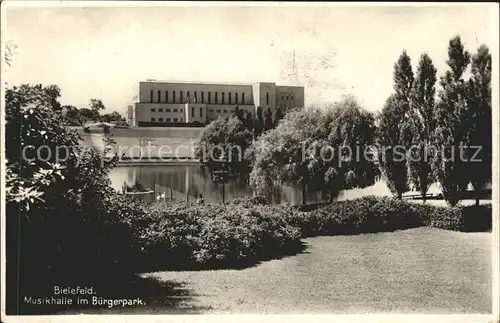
point(185, 236)
point(182, 236)
point(376, 214)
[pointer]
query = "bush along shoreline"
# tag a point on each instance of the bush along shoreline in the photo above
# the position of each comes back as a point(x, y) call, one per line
point(181, 236)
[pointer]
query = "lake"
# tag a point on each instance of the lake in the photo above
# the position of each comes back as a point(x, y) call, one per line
point(186, 182)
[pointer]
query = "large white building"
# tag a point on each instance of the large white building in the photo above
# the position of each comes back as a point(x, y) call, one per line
point(168, 102)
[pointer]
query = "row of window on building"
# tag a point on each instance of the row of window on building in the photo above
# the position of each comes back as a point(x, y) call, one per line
point(167, 120)
point(192, 111)
point(221, 111)
point(166, 110)
point(177, 110)
point(187, 98)
point(287, 97)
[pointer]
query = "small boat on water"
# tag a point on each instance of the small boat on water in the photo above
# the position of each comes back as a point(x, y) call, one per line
point(136, 189)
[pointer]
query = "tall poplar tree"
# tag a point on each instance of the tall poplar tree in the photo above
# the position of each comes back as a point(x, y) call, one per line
point(393, 135)
point(268, 121)
point(259, 122)
point(450, 164)
point(480, 135)
point(423, 124)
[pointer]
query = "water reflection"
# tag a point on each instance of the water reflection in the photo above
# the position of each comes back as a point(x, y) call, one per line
point(186, 182)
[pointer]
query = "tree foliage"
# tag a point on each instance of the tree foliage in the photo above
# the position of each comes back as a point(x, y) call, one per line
point(57, 191)
point(228, 136)
point(302, 150)
point(238, 113)
point(268, 119)
point(394, 129)
point(403, 77)
point(113, 116)
point(86, 115)
point(480, 134)
point(259, 122)
point(248, 121)
point(423, 125)
point(453, 125)
point(279, 115)
point(96, 105)
point(392, 141)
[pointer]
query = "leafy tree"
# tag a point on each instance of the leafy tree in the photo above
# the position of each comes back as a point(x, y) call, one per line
point(259, 121)
point(70, 111)
point(298, 151)
point(54, 93)
point(96, 105)
point(114, 116)
point(268, 122)
point(238, 113)
point(279, 115)
point(277, 154)
point(403, 77)
point(86, 114)
point(480, 134)
point(229, 137)
point(71, 114)
point(353, 130)
point(453, 125)
point(57, 198)
point(394, 129)
point(248, 121)
point(423, 125)
point(392, 140)
point(245, 117)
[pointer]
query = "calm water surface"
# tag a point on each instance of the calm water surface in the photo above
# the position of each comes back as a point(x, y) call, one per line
point(185, 182)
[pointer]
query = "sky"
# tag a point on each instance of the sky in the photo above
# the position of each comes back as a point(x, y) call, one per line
point(103, 52)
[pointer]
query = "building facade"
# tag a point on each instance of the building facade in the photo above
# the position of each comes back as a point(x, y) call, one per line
point(166, 102)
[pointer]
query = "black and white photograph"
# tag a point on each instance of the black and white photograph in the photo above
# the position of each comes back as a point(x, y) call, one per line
point(249, 158)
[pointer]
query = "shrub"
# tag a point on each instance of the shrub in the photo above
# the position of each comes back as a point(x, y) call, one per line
point(173, 235)
point(458, 218)
point(376, 214)
point(477, 218)
point(242, 235)
point(249, 201)
point(185, 236)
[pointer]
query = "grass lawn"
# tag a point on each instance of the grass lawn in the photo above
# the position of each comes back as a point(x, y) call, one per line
point(421, 270)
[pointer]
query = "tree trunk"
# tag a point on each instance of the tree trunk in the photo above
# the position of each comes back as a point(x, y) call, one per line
point(400, 196)
point(424, 186)
point(424, 196)
point(477, 200)
point(304, 193)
